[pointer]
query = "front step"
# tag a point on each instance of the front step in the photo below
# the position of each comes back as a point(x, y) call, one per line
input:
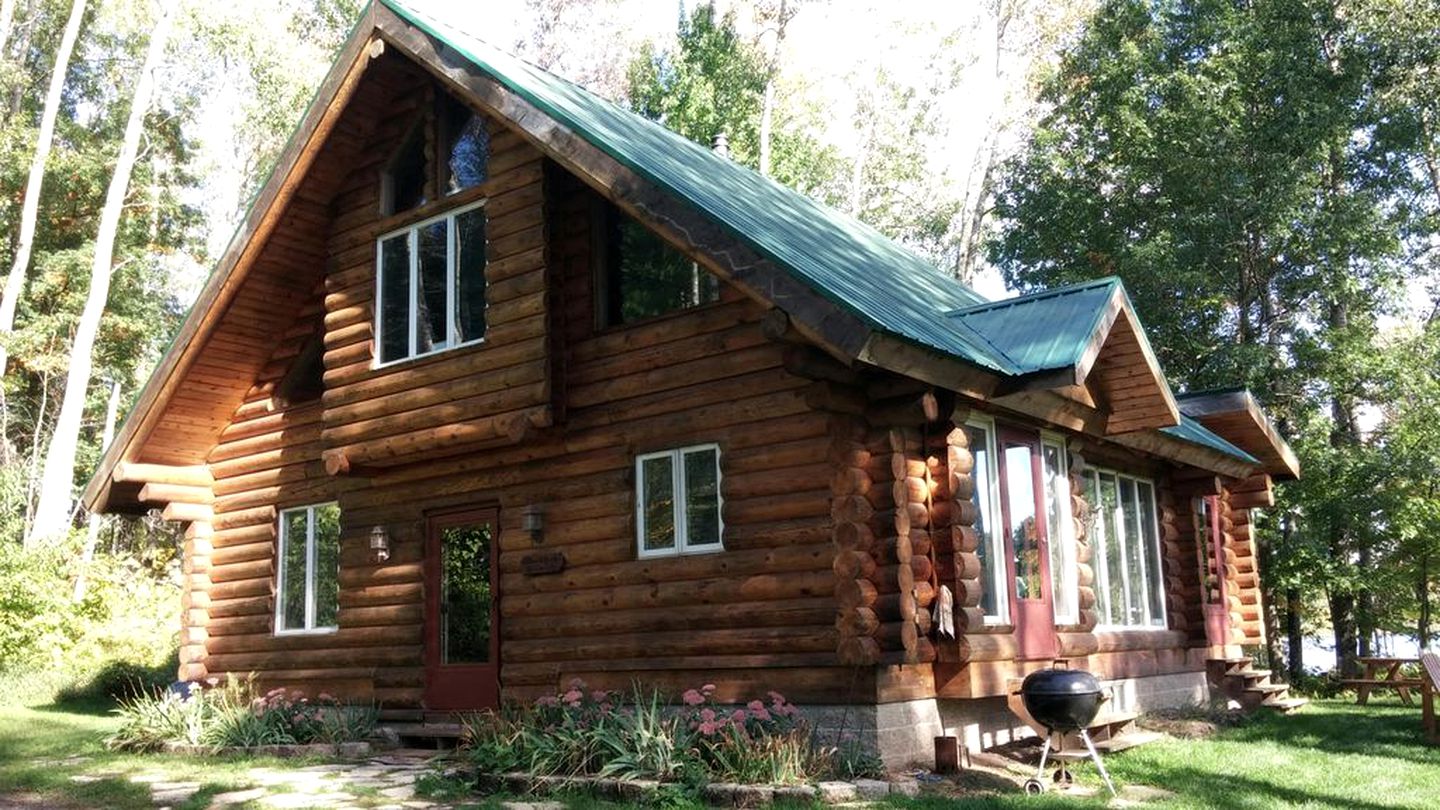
point(1247, 689)
point(428, 735)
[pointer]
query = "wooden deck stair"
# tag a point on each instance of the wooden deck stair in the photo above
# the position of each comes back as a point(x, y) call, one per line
point(1247, 689)
point(1111, 732)
point(419, 729)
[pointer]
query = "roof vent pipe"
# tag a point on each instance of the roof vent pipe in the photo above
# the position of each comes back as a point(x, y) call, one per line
point(721, 146)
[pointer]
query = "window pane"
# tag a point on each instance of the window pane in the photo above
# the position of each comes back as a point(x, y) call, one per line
point(292, 570)
point(1024, 533)
point(986, 535)
point(1114, 558)
point(469, 149)
point(1062, 534)
point(465, 594)
point(430, 330)
point(1134, 550)
point(651, 278)
point(702, 498)
point(657, 494)
point(327, 565)
point(394, 298)
point(1154, 584)
point(405, 177)
point(470, 274)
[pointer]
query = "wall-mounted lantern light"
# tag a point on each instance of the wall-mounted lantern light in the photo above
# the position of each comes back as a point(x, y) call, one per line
point(532, 521)
point(380, 543)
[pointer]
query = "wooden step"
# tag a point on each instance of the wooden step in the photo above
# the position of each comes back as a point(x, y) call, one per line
point(1268, 688)
point(1250, 674)
point(1129, 739)
point(1285, 705)
point(438, 735)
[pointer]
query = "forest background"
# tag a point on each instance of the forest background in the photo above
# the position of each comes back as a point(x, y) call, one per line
point(1264, 175)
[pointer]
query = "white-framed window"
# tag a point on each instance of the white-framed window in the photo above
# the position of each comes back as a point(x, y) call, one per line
point(677, 502)
point(430, 285)
point(985, 474)
point(1124, 532)
point(307, 590)
point(1064, 570)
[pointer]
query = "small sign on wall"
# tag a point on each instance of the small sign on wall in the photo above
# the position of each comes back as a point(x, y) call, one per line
point(538, 563)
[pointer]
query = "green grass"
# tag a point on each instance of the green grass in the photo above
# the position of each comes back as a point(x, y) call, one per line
point(34, 742)
point(1331, 754)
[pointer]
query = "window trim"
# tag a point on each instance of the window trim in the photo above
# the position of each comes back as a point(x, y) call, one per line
point(997, 542)
point(1100, 564)
point(310, 555)
point(1064, 534)
point(679, 506)
point(412, 232)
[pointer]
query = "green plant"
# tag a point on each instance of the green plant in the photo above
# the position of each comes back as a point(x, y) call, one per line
point(851, 760)
point(644, 741)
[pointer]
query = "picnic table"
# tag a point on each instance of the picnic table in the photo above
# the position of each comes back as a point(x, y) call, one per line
point(1383, 672)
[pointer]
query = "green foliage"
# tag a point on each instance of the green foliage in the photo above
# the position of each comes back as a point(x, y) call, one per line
point(641, 736)
point(231, 714)
point(711, 82)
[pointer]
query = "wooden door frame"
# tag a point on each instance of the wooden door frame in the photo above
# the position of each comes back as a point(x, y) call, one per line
point(434, 523)
point(1042, 644)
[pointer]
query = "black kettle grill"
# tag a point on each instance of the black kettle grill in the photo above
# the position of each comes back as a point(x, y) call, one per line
point(1063, 701)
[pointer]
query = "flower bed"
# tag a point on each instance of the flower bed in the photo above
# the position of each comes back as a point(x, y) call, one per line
point(221, 717)
point(608, 741)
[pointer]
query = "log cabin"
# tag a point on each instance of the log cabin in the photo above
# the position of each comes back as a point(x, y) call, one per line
point(500, 385)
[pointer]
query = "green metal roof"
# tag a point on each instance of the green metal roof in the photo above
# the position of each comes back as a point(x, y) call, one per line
point(1045, 330)
point(1195, 433)
point(840, 257)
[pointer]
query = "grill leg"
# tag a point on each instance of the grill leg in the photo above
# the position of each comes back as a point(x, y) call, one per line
point(1095, 757)
point(1044, 754)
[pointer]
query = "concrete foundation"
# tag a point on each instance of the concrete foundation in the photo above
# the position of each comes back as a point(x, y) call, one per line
point(904, 733)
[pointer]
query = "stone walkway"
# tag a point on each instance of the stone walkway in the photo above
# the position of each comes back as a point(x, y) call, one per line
point(382, 782)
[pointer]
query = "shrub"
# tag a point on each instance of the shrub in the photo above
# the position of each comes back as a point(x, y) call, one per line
point(118, 681)
point(583, 732)
point(231, 715)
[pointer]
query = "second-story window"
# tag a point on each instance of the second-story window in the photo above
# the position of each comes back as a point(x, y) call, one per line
point(642, 276)
point(431, 285)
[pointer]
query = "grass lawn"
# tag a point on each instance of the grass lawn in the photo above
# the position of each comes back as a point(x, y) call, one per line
point(1331, 754)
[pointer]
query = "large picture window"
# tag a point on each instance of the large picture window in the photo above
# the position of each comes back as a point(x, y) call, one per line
point(1064, 564)
point(308, 590)
point(1124, 533)
point(994, 600)
point(677, 503)
point(431, 285)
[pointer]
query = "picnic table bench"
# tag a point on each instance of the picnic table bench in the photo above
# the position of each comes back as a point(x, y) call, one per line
point(1383, 672)
point(1430, 683)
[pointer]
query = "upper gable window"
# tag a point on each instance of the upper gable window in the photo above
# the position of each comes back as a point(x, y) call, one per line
point(459, 160)
point(643, 277)
point(431, 285)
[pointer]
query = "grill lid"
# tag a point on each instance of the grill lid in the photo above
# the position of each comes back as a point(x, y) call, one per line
point(1060, 682)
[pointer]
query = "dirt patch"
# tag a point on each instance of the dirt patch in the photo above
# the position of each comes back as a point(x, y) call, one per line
point(27, 801)
point(1186, 724)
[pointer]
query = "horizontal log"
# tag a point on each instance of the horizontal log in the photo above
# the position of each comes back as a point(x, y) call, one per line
point(197, 475)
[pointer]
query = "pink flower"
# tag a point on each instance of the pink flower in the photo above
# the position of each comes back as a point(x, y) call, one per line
point(692, 698)
point(709, 728)
point(707, 715)
point(757, 710)
point(573, 696)
point(576, 683)
point(738, 715)
point(708, 688)
point(548, 700)
point(776, 697)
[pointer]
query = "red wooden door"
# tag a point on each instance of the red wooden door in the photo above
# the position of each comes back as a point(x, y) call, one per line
point(462, 619)
point(1022, 502)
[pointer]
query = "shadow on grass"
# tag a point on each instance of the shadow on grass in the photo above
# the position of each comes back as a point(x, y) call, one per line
point(1390, 731)
point(94, 707)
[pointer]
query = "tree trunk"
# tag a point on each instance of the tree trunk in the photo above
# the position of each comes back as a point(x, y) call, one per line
point(1342, 619)
point(1268, 613)
point(92, 526)
point(1422, 594)
point(1294, 634)
point(53, 512)
point(7, 21)
point(1365, 608)
point(30, 209)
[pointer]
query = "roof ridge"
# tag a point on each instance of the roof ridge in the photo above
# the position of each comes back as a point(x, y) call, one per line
point(1038, 295)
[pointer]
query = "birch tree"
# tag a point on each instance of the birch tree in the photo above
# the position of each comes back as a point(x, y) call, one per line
point(30, 209)
point(93, 523)
point(52, 513)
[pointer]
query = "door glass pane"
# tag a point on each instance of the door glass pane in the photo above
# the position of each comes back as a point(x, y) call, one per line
point(702, 499)
point(1114, 597)
point(470, 275)
point(465, 596)
point(1024, 533)
point(394, 298)
point(327, 565)
point(1155, 591)
point(985, 532)
point(430, 329)
point(1063, 580)
point(657, 499)
point(292, 571)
